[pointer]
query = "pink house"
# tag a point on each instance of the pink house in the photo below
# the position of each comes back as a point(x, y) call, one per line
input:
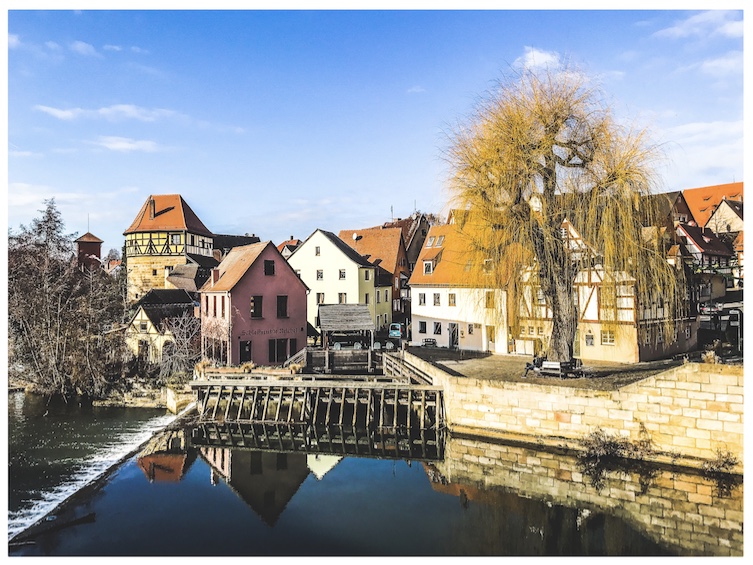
point(253, 308)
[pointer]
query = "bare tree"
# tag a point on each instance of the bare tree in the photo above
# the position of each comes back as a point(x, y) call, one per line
point(181, 354)
point(541, 149)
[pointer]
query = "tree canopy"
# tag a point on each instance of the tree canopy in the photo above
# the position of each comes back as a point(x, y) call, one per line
point(541, 149)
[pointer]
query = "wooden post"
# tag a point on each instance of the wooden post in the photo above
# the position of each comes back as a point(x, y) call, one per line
point(240, 406)
point(217, 405)
point(423, 409)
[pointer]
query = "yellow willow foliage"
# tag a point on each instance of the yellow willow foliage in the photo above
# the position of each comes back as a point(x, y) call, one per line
point(543, 149)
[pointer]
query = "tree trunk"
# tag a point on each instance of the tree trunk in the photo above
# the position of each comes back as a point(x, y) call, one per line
point(564, 321)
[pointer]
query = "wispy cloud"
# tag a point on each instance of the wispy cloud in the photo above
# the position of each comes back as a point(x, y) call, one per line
point(534, 58)
point(725, 23)
point(17, 153)
point(731, 63)
point(115, 112)
point(127, 145)
point(83, 48)
point(416, 89)
point(13, 41)
point(112, 48)
point(139, 50)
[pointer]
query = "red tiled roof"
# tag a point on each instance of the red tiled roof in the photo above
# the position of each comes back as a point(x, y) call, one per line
point(170, 213)
point(380, 245)
point(704, 200)
point(291, 242)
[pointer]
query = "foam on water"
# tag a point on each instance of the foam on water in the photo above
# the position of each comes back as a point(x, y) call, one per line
point(89, 471)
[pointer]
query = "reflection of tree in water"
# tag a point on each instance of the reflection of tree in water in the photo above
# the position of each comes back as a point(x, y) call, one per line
point(719, 472)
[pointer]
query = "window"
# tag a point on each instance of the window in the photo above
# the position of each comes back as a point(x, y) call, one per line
point(298, 273)
point(589, 340)
point(490, 299)
point(540, 330)
point(256, 306)
point(142, 327)
point(451, 299)
point(319, 275)
point(379, 297)
point(436, 299)
point(607, 337)
point(282, 306)
point(422, 299)
point(530, 330)
point(342, 298)
point(366, 298)
point(687, 332)
point(366, 274)
point(175, 238)
point(193, 239)
point(206, 305)
point(342, 274)
point(422, 327)
point(660, 335)
point(488, 266)
point(428, 268)
point(154, 272)
point(470, 329)
point(437, 328)
point(214, 306)
point(317, 251)
point(320, 298)
point(440, 241)
point(222, 302)
point(430, 241)
point(269, 267)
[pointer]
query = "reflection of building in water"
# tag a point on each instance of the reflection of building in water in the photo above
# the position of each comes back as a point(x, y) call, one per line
point(321, 464)
point(551, 506)
point(165, 458)
point(266, 481)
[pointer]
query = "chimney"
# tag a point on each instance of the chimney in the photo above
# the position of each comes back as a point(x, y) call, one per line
point(215, 276)
point(152, 208)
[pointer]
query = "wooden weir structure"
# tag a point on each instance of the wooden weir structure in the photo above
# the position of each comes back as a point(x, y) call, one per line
point(365, 403)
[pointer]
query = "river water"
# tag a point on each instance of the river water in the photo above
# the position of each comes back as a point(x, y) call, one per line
point(261, 490)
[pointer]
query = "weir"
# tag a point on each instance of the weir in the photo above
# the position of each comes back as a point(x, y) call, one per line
point(356, 403)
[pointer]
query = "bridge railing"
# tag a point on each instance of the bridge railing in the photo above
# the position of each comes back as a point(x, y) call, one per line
point(394, 365)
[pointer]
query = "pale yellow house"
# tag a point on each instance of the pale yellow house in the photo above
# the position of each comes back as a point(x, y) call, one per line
point(147, 333)
point(337, 274)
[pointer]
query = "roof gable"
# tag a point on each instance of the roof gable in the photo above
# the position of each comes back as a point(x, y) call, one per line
point(704, 200)
point(166, 212)
point(381, 246)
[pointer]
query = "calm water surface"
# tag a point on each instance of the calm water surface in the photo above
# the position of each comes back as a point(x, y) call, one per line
point(188, 494)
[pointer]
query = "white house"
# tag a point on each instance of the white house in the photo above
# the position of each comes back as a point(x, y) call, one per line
point(336, 274)
point(445, 307)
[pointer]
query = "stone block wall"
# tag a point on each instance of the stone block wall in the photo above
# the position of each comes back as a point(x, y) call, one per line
point(692, 411)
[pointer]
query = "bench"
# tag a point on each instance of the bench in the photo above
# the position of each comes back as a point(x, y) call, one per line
point(429, 342)
point(560, 369)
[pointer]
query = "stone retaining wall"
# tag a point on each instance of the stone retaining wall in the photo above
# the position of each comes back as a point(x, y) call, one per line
point(693, 411)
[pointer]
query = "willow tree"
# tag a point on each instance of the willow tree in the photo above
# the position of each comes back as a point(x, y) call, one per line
point(541, 149)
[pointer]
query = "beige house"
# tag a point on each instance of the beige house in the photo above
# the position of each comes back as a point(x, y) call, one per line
point(336, 274)
point(147, 333)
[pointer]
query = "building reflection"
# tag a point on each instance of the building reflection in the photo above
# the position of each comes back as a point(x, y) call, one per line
point(515, 500)
point(166, 457)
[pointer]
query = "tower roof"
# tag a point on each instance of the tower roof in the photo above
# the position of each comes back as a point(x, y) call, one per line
point(165, 212)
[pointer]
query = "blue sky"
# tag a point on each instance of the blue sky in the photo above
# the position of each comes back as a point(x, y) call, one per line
point(278, 123)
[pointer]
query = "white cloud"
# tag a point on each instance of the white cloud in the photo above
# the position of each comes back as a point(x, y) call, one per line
point(69, 114)
point(127, 145)
point(112, 48)
point(714, 22)
point(15, 153)
point(13, 41)
point(704, 153)
point(139, 50)
point(52, 46)
point(83, 48)
point(731, 63)
point(416, 89)
point(112, 113)
point(536, 58)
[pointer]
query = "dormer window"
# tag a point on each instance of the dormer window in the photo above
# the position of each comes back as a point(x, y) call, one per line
point(430, 241)
point(428, 267)
point(440, 241)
